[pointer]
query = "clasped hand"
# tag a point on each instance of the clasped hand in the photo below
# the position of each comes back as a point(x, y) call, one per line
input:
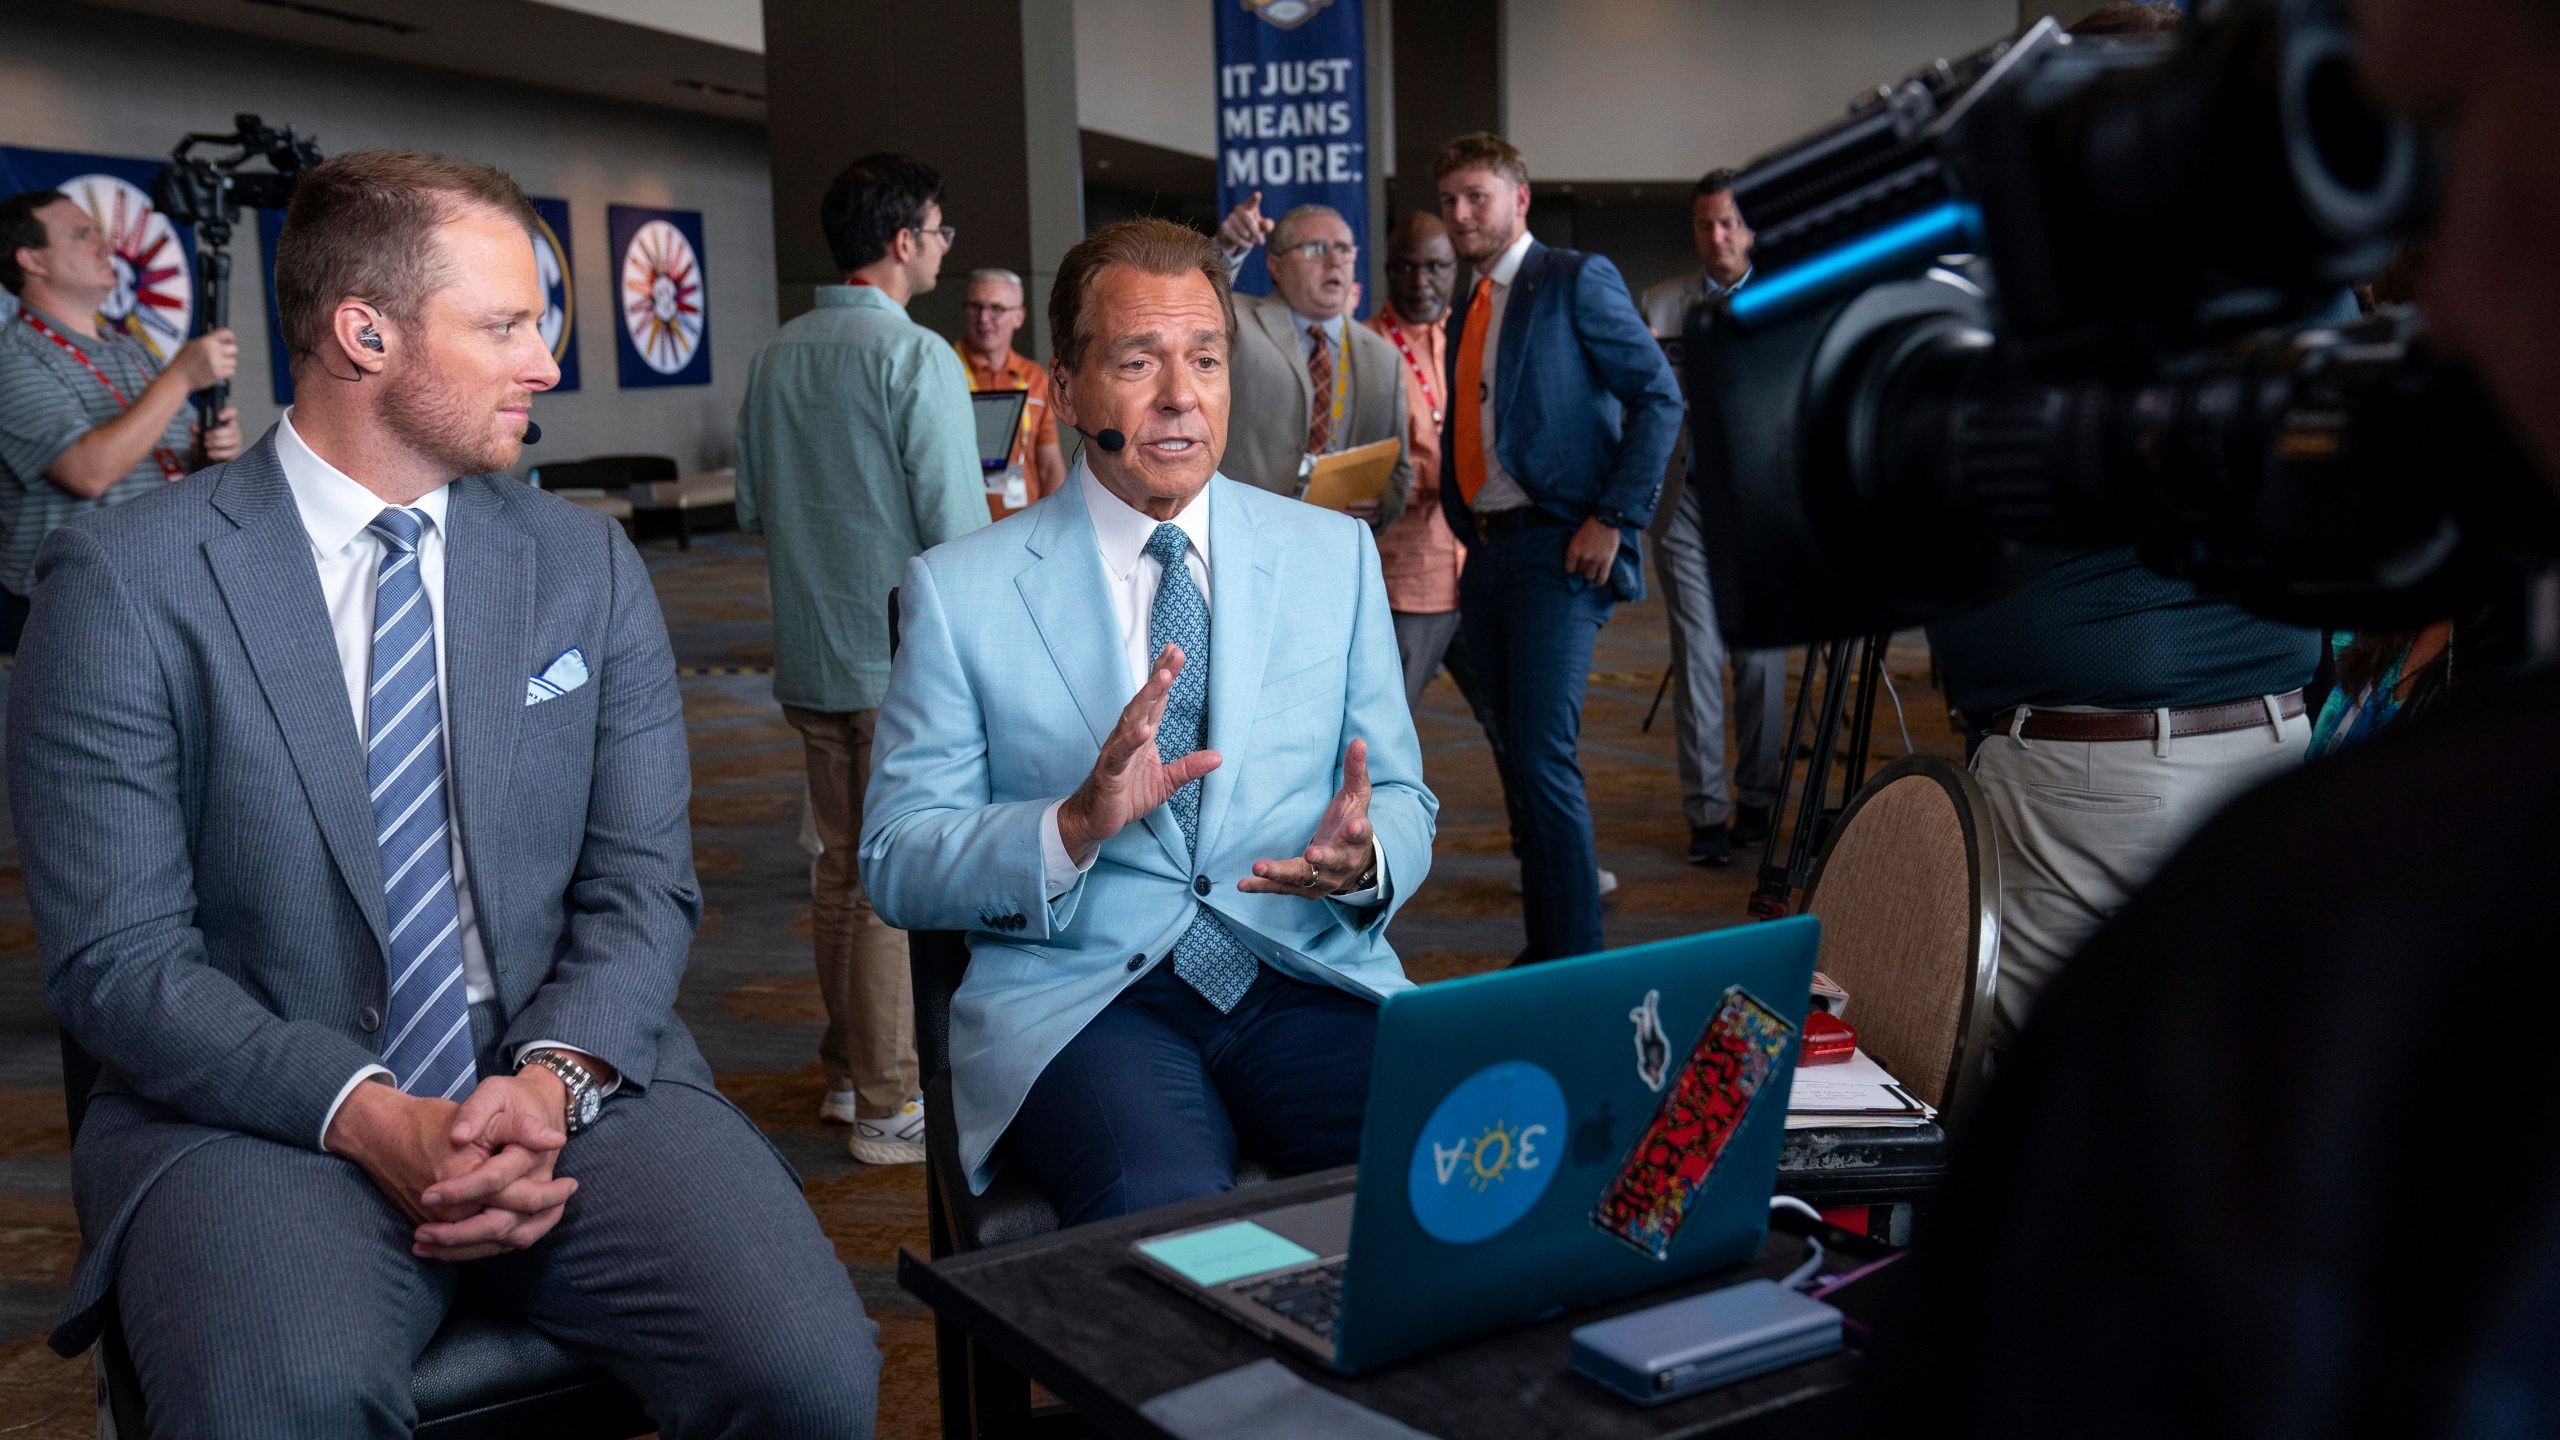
point(1131, 777)
point(476, 1176)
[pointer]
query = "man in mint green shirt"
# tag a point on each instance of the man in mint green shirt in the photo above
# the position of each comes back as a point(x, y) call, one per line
point(856, 453)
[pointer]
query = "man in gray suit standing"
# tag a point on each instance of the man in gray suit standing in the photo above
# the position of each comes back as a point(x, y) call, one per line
point(1308, 380)
point(351, 783)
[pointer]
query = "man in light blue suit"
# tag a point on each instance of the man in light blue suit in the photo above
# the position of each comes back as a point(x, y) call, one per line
point(350, 778)
point(1147, 744)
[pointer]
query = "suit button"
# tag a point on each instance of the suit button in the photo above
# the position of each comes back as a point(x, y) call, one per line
point(369, 1019)
point(1199, 884)
point(1137, 962)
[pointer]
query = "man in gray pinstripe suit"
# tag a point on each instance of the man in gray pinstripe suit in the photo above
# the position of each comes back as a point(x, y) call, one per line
point(351, 783)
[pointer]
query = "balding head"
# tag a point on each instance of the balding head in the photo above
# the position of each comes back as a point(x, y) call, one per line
point(1421, 267)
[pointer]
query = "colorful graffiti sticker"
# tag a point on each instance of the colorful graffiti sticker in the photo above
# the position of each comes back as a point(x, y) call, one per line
point(1651, 1194)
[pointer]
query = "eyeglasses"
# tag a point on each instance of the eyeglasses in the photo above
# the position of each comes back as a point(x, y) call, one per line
point(975, 308)
point(1317, 251)
point(950, 234)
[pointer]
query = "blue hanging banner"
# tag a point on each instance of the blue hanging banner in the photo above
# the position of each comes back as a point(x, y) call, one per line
point(559, 290)
point(1293, 116)
point(155, 261)
point(664, 334)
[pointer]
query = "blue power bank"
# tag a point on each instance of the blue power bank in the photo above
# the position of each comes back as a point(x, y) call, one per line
point(1704, 1341)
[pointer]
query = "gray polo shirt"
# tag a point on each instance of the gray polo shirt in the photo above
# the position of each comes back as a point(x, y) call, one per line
point(47, 402)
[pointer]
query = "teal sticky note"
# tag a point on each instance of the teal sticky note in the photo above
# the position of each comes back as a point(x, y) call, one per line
point(1227, 1252)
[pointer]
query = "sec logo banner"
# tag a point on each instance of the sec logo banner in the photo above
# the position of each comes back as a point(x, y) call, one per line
point(1485, 1156)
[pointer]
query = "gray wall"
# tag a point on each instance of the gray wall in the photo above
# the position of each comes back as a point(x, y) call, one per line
point(74, 78)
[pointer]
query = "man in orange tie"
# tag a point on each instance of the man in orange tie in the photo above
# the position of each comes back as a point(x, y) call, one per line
point(1562, 415)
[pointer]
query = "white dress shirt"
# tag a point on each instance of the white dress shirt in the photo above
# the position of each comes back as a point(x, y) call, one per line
point(1130, 577)
point(336, 512)
point(1500, 491)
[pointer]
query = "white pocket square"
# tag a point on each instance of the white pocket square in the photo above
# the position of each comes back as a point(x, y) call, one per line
point(562, 676)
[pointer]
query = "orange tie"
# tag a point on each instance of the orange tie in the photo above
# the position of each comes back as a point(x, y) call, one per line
point(1466, 405)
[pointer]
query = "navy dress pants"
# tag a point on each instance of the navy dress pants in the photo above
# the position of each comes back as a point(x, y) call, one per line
point(1529, 626)
point(1150, 1102)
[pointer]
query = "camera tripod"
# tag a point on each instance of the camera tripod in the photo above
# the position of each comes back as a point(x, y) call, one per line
point(1852, 671)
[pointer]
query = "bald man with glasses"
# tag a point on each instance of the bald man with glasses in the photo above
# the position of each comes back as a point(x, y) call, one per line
point(1308, 380)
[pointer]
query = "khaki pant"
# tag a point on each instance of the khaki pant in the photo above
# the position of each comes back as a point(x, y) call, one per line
point(870, 1045)
point(2084, 824)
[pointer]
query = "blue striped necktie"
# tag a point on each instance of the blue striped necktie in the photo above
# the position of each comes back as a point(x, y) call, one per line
point(429, 1050)
point(1208, 957)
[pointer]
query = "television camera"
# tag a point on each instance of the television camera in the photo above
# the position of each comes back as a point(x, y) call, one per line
point(208, 192)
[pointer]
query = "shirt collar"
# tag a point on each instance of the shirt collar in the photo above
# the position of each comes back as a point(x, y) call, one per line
point(1708, 287)
point(1121, 530)
point(859, 296)
point(1332, 328)
point(335, 509)
point(1508, 266)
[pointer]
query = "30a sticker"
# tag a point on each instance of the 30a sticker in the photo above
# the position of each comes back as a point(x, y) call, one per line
point(1485, 1155)
point(1651, 1194)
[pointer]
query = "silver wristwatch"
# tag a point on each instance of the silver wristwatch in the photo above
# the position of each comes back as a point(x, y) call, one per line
point(585, 1100)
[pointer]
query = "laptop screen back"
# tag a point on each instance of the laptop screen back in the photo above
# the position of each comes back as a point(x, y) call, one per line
point(999, 415)
point(1505, 1169)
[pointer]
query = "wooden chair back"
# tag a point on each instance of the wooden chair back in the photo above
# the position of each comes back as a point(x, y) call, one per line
point(1908, 890)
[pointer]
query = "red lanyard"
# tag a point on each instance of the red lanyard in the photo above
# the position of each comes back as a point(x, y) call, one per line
point(164, 457)
point(1430, 396)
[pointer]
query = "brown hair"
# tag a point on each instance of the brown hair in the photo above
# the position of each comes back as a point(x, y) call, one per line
point(363, 225)
point(1482, 150)
point(1149, 246)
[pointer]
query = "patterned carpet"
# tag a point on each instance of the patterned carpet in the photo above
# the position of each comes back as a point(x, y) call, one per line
point(753, 1003)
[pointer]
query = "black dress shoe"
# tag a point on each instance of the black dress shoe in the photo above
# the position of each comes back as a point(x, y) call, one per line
point(1750, 825)
point(1709, 845)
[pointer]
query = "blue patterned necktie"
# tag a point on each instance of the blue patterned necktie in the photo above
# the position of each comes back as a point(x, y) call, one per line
point(1208, 956)
point(429, 1052)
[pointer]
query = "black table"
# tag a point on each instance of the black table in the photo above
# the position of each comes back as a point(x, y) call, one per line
point(1072, 1312)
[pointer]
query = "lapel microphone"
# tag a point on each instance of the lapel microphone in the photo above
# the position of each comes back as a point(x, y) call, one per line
point(1110, 440)
point(532, 433)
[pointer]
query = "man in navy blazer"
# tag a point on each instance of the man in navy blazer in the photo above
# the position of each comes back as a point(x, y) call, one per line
point(350, 779)
point(1562, 416)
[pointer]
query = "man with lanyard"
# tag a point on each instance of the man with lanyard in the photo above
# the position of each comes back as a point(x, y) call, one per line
point(1698, 657)
point(1037, 466)
point(1308, 379)
point(88, 417)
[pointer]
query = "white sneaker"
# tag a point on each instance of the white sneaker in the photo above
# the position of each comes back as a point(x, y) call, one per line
point(1608, 883)
point(838, 1108)
point(896, 1140)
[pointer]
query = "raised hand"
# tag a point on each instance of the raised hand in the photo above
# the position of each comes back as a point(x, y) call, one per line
point(1344, 853)
point(1244, 227)
point(1130, 778)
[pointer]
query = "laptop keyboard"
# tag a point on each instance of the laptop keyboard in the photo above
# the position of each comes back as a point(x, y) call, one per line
point(1311, 1298)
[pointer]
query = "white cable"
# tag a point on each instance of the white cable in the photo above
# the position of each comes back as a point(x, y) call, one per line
point(1789, 1202)
point(1803, 1274)
point(1896, 696)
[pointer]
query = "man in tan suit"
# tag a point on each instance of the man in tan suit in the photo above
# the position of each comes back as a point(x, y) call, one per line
point(1307, 380)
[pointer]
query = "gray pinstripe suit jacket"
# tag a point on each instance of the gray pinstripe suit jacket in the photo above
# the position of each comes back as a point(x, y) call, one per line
point(189, 792)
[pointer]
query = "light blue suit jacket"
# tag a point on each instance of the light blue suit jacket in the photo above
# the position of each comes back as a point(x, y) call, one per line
point(1008, 677)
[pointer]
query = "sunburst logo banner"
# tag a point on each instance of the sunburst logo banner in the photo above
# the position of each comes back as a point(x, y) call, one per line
point(661, 297)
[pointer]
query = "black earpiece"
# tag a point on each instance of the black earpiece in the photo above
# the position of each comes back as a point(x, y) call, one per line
point(1110, 440)
point(532, 433)
point(366, 338)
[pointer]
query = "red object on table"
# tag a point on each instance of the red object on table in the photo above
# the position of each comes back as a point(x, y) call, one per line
point(1828, 1040)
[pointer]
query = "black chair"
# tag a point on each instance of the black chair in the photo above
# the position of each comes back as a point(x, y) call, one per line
point(604, 472)
point(486, 1375)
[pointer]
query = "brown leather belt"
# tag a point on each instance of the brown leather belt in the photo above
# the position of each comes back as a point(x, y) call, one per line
point(2143, 724)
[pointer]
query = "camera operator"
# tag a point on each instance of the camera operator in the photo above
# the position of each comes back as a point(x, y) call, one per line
point(2208, 1191)
point(87, 418)
point(2112, 711)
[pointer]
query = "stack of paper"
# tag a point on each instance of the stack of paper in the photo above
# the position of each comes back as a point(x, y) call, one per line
point(1854, 1092)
